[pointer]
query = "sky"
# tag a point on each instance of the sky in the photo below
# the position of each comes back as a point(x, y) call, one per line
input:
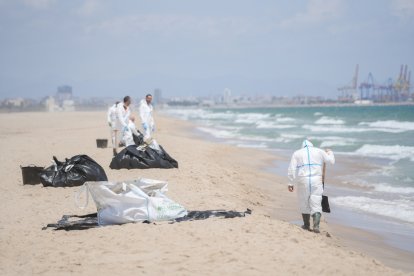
point(199, 48)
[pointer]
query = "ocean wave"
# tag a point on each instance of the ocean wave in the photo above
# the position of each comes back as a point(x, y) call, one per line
point(329, 121)
point(256, 138)
point(339, 143)
point(384, 187)
point(345, 129)
point(331, 141)
point(391, 124)
point(250, 118)
point(392, 189)
point(395, 152)
point(292, 136)
point(287, 138)
point(253, 146)
point(264, 124)
point(398, 209)
point(316, 114)
point(219, 115)
point(219, 133)
point(285, 119)
point(186, 114)
point(328, 141)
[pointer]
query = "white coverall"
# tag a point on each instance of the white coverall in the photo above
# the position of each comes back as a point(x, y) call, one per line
point(128, 137)
point(123, 117)
point(148, 125)
point(305, 170)
point(112, 120)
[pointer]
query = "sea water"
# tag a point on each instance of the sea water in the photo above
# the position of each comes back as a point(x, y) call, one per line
point(377, 139)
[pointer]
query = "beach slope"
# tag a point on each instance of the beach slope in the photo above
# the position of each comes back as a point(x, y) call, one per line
point(210, 176)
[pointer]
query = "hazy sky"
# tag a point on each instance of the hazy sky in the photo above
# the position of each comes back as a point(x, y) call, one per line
point(190, 47)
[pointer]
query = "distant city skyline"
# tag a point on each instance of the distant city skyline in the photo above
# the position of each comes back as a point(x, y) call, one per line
point(194, 48)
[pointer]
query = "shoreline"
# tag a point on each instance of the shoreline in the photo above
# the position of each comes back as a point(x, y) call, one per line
point(210, 176)
point(392, 255)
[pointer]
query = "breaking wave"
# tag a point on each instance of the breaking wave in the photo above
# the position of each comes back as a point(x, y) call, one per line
point(398, 209)
point(395, 152)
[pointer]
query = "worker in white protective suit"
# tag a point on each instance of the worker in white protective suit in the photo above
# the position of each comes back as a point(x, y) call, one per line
point(128, 138)
point(305, 171)
point(147, 120)
point(112, 118)
point(123, 114)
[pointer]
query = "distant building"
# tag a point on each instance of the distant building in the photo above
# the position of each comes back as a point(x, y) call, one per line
point(64, 93)
point(51, 105)
point(227, 96)
point(157, 99)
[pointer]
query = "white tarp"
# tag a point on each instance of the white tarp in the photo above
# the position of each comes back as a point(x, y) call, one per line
point(132, 201)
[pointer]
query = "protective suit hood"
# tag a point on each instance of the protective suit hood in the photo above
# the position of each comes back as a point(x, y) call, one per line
point(306, 143)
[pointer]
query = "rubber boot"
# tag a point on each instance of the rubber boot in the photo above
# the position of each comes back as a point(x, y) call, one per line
point(316, 220)
point(306, 221)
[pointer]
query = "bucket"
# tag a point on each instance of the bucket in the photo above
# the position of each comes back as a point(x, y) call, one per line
point(30, 174)
point(102, 143)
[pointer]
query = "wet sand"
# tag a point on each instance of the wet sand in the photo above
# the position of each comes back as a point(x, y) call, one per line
point(211, 176)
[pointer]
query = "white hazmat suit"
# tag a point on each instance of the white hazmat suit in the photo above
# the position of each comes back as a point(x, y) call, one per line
point(305, 170)
point(128, 137)
point(112, 117)
point(148, 124)
point(123, 114)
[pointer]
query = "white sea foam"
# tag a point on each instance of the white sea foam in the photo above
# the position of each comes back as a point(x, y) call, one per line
point(333, 129)
point(250, 118)
point(256, 138)
point(345, 129)
point(398, 209)
point(390, 124)
point(287, 138)
point(395, 152)
point(219, 115)
point(285, 119)
point(329, 121)
point(339, 143)
point(384, 187)
point(331, 141)
point(291, 136)
point(265, 124)
point(253, 146)
point(186, 114)
point(219, 133)
point(316, 114)
point(392, 189)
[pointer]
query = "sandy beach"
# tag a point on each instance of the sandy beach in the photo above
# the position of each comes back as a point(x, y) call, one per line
point(210, 176)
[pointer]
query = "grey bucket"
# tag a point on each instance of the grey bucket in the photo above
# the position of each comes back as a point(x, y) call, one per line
point(102, 143)
point(30, 174)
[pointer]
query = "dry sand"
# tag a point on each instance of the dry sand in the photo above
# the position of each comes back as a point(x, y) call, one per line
point(211, 176)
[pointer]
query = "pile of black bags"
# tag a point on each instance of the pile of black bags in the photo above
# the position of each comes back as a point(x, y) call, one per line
point(73, 172)
point(133, 157)
point(142, 156)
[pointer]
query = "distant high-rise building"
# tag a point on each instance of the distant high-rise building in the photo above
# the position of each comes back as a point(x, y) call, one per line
point(64, 92)
point(157, 99)
point(227, 96)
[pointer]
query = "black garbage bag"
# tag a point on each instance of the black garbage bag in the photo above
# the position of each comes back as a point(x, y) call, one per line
point(143, 157)
point(73, 172)
point(138, 140)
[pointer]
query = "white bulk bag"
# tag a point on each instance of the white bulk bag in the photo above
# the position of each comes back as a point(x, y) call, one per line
point(132, 201)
